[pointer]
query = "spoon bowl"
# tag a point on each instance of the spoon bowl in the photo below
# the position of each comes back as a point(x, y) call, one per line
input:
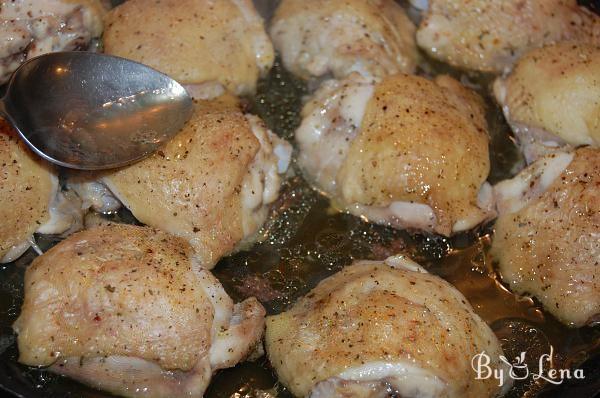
point(93, 111)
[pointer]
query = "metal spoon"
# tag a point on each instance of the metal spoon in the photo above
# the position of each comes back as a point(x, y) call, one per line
point(93, 111)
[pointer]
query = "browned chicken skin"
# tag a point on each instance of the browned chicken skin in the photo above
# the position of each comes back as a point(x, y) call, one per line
point(491, 35)
point(378, 329)
point(193, 41)
point(552, 98)
point(547, 240)
point(134, 311)
point(211, 184)
point(129, 310)
point(316, 38)
point(407, 152)
point(30, 197)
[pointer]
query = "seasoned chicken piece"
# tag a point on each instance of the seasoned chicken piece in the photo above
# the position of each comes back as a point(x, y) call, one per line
point(547, 240)
point(129, 310)
point(552, 98)
point(29, 28)
point(407, 152)
point(30, 198)
point(491, 35)
point(315, 38)
point(379, 329)
point(211, 184)
point(193, 41)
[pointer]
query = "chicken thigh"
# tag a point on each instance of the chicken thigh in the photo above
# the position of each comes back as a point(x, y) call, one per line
point(547, 240)
point(315, 38)
point(211, 184)
point(379, 329)
point(552, 98)
point(29, 28)
point(129, 310)
point(30, 197)
point(193, 41)
point(406, 152)
point(491, 35)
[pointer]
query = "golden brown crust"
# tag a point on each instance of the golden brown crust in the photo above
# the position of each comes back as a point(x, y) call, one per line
point(192, 187)
point(551, 248)
point(193, 41)
point(115, 290)
point(557, 89)
point(420, 141)
point(26, 188)
point(370, 312)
